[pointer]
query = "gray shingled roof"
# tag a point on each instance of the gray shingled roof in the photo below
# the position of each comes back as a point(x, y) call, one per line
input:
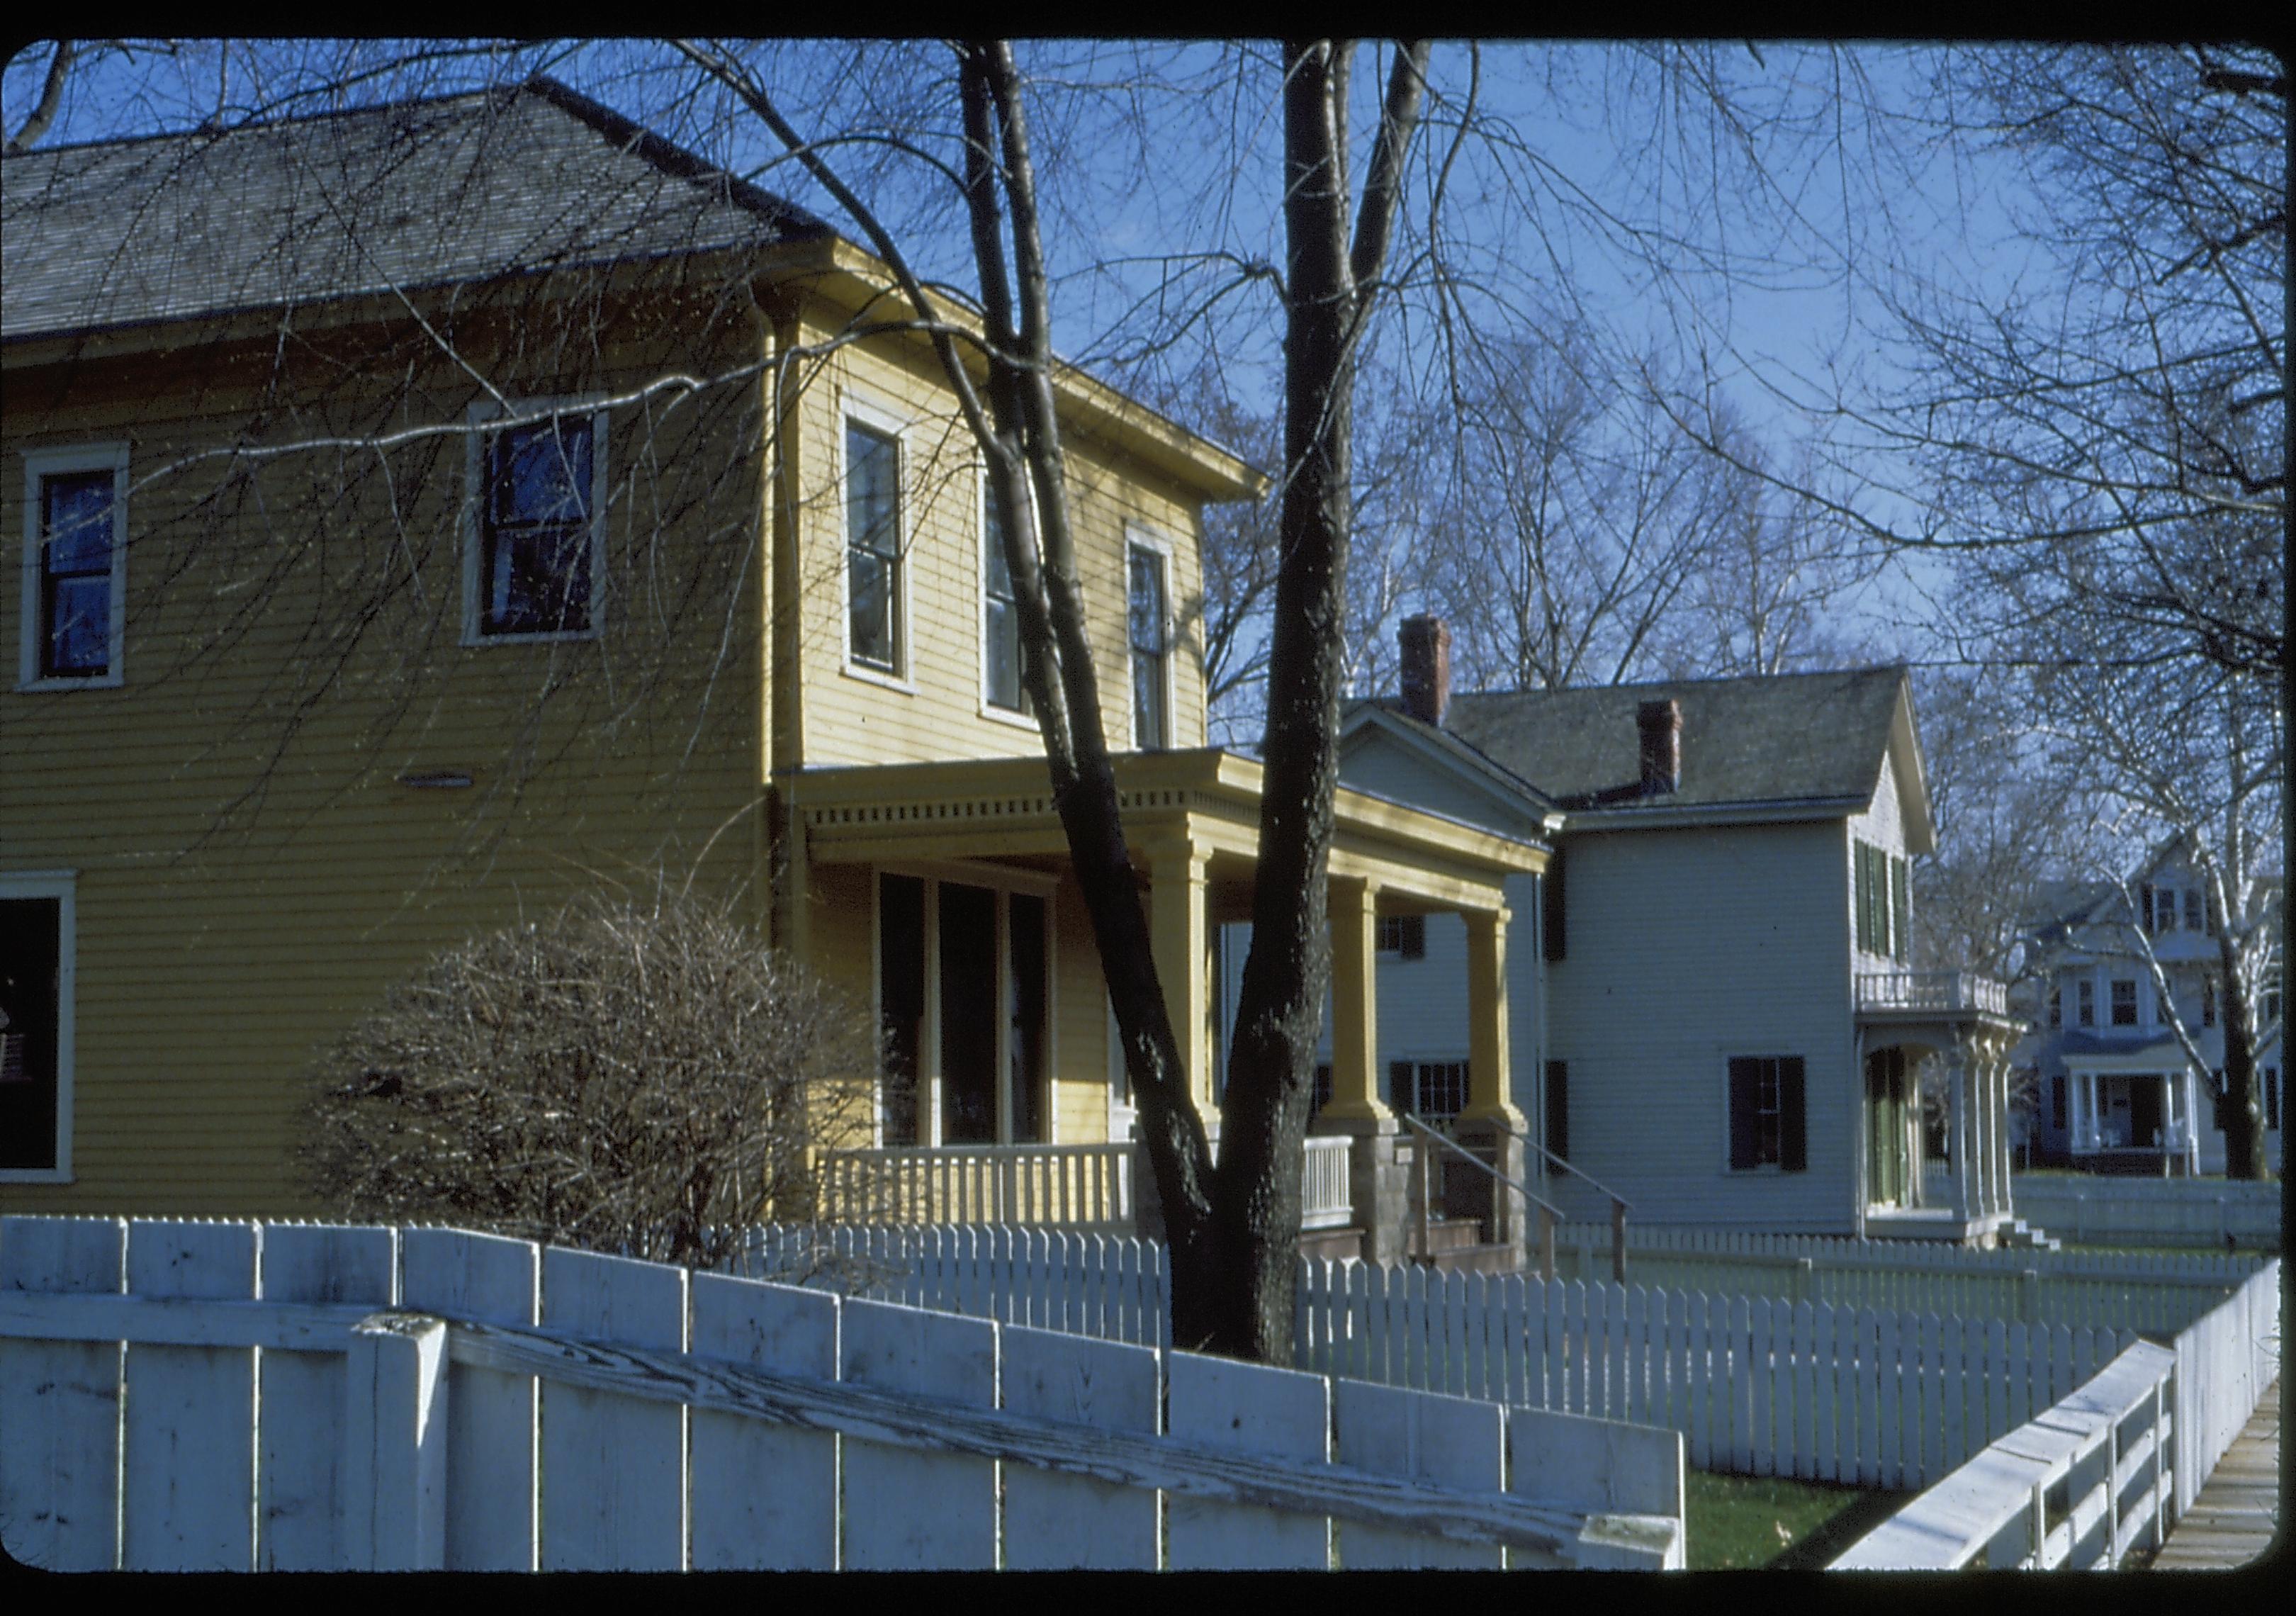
point(423, 194)
point(1788, 738)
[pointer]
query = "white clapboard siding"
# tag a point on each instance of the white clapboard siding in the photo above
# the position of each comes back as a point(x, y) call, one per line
point(1062, 1523)
point(764, 1495)
point(60, 1402)
point(613, 1467)
point(926, 1511)
point(199, 1400)
point(1250, 1408)
point(301, 1483)
point(492, 1479)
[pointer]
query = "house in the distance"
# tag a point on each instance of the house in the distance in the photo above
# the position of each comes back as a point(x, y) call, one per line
point(2117, 1093)
point(1715, 1013)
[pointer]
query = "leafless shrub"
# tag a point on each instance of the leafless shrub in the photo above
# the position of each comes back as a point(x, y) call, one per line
point(650, 1081)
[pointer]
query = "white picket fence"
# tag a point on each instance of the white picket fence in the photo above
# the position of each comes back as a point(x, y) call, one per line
point(2154, 1291)
point(1756, 1387)
point(2151, 1212)
point(235, 1396)
point(1884, 1397)
point(1112, 1286)
point(2077, 1487)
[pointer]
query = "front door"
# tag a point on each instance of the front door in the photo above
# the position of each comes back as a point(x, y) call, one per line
point(1888, 1146)
point(964, 988)
point(2144, 1120)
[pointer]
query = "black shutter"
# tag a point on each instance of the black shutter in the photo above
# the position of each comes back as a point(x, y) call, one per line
point(2144, 905)
point(1415, 936)
point(1402, 1093)
point(1552, 908)
point(1901, 908)
point(1793, 1151)
point(1865, 897)
point(1745, 1099)
point(2057, 1087)
point(1558, 1109)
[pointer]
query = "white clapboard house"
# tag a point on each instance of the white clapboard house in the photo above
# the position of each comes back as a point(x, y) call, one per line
point(1714, 1015)
point(2116, 1091)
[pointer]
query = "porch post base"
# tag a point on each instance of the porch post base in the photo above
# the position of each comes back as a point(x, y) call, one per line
point(1377, 1191)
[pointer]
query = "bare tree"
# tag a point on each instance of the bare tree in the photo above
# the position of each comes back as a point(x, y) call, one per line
point(646, 1079)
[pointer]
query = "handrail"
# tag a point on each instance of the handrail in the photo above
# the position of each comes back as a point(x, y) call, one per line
point(1549, 1214)
point(1615, 1199)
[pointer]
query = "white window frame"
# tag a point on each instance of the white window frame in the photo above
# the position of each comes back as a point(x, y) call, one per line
point(486, 418)
point(1139, 537)
point(1019, 718)
point(40, 463)
point(857, 409)
point(60, 884)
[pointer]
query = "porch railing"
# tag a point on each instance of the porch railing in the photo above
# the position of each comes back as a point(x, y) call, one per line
point(1324, 1202)
point(1931, 990)
point(1060, 1186)
point(1085, 1186)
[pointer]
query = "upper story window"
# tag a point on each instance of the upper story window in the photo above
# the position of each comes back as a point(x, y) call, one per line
point(2124, 1002)
point(1150, 621)
point(2085, 995)
point(872, 549)
point(1404, 936)
point(2056, 1005)
point(1884, 902)
point(2208, 1001)
point(2193, 910)
point(540, 544)
point(75, 566)
point(1001, 653)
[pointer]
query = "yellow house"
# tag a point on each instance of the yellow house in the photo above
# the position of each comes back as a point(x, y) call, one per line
point(429, 511)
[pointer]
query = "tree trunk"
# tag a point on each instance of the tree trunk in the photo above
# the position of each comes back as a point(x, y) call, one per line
point(2242, 1114)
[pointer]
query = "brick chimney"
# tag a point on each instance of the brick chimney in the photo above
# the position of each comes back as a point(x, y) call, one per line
point(1426, 668)
point(1661, 724)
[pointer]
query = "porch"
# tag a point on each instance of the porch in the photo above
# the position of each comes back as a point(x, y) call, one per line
point(941, 896)
point(1964, 1019)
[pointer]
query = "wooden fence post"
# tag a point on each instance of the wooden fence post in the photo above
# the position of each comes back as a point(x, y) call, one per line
point(395, 1429)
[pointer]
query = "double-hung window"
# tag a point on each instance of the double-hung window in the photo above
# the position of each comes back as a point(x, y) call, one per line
point(872, 549)
point(1405, 936)
point(2124, 1002)
point(1002, 685)
point(75, 566)
point(2086, 995)
point(539, 554)
point(1150, 630)
point(1767, 1113)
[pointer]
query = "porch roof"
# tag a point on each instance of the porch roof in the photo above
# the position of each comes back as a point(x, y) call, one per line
point(1205, 799)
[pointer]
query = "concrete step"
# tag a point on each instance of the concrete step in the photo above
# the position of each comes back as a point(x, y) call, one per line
point(1476, 1259)
point(1330, 1245)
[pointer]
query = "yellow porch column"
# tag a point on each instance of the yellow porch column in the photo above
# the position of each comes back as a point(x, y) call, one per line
point(1354, 1003)
point(1176, 929)
point(1488, 1066)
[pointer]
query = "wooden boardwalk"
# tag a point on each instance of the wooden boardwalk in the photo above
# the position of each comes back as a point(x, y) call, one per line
point(2234, 1519)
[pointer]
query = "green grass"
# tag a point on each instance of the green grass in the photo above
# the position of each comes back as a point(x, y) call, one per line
point(1769, 1523)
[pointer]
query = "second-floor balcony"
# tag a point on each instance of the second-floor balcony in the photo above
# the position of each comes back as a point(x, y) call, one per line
point(1939, 992)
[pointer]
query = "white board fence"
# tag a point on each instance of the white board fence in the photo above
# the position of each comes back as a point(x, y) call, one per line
point(2226, 1361)
point(2077, 1487)
point(235, 1396)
